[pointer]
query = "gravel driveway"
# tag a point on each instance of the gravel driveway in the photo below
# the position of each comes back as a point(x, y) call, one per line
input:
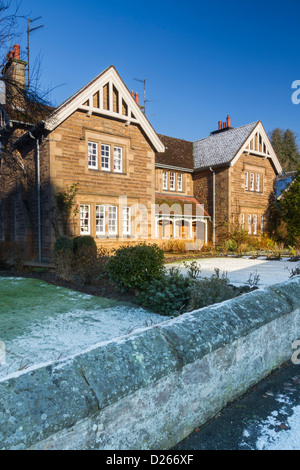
point(239, 269)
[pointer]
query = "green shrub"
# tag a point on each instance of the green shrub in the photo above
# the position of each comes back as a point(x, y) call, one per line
point(63, 261)
point(208, 291)
point(85, 241)
point(64, 244)
point(230, 245)
point(133, 267)
point(167, 295)
point(88, 265)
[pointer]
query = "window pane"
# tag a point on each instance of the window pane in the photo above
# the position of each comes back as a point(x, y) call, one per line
point(100, 220)
point(249, 223)
point(84, 219)
point(118, 159)
point(105, 157)
point(179, 182)
point(252, 181)
point(112, 220)
point(93, 155)
point(165, 180)
point(246, 180)
point(255, 224)
point(258, 183)
point(172, 181)
point(126, 221)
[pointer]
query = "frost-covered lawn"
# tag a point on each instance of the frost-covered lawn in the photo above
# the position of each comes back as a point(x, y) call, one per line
point(239, 269)
point(40, 322)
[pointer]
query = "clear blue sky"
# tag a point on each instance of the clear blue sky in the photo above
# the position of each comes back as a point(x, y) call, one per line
point(202, 60)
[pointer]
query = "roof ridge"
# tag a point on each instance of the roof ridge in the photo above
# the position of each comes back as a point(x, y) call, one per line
point(227, 130)
point(175, 138)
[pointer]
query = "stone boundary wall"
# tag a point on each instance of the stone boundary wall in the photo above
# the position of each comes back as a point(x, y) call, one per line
point(150, 389)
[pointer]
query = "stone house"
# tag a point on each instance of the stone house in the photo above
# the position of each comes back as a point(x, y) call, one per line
point(132, 184)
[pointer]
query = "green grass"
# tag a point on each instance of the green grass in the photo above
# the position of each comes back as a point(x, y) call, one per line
point(25, 301)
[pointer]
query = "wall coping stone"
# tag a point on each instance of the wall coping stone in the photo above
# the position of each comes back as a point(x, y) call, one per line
point(41, 401)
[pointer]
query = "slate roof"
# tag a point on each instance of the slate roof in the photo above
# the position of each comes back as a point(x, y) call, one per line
point(178, 153)
point(219, 149)
point(33, 114)
point(284, 181)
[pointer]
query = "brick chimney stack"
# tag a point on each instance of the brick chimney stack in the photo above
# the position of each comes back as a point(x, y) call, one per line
point(17, 52)
point(223, 126)
point(13, 74)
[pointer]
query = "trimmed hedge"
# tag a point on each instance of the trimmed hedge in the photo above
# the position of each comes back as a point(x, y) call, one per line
point(64, 244)
point(133, 267)
point(84, 242)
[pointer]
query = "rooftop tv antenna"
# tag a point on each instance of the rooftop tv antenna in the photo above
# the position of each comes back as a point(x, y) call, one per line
point(29, 31)
point(144, 82)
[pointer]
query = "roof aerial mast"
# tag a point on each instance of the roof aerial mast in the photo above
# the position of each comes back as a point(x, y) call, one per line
point(29, 31)
point(144, 82)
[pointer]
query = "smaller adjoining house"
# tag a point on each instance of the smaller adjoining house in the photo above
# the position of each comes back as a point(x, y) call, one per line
point(180, 214)
point(283, 182)
point(232, 172)
point(133, 184)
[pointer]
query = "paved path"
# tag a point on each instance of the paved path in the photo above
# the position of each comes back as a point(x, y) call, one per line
point(266, 418)
point(239, 269)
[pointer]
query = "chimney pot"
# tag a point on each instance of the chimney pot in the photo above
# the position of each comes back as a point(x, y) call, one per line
point(132, 94)
point(224, 125)
point(17, 51)
point(228, 121)
point(137, 98)
point(220, 125)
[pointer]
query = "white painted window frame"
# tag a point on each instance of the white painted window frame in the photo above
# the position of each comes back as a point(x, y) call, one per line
point(246, 180)
point(172, 181)
point(165, 180)
point(126, 220)
point(249, 224)
point(93, 156)
point(118, 159)
point(254, 224)
point(84, 232)
point(179, 181)
point(243, 221)
point(100, 210)
point(258, 183)
point(262, 221)
point(252, 182)
point(112, 210)
point(105, 157)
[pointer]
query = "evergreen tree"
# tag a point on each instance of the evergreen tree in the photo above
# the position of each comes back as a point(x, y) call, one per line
point(286, 148)
point(290, 210)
